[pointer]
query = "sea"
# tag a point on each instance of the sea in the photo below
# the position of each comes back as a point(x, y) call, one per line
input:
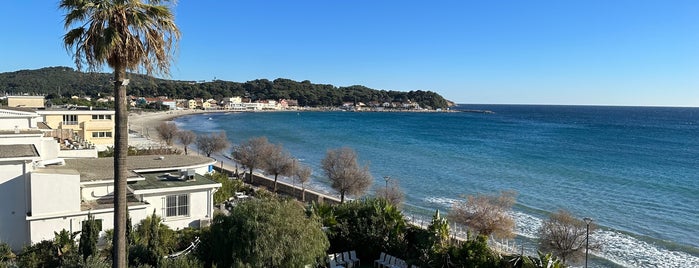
point(633, 170)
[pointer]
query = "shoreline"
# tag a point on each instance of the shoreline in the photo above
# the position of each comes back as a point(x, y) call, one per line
point(145, 122)
point(150, 120)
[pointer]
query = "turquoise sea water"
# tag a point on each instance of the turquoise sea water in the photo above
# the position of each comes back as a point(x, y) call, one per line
point(634, 170)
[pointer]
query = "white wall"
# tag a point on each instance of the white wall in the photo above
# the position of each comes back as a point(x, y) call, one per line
point(21, 123)
point(96, 191)
point(54, 193)
point(47, 147)
point(13, 203)
point(199, 208)
point(42, 229)
point(82, 153)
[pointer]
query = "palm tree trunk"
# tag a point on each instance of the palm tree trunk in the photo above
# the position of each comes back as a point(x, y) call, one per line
point(121, 146)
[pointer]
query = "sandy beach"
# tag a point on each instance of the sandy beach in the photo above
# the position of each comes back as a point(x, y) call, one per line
point(143, 134)
point(144, 123)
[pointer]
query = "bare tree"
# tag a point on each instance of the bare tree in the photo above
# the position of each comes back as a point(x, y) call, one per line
point(212, 143)
point(393, 193)
point(486, 215)
point(301, 174)
point(186, 137)
point(565, 236)
point(345, 174)
point(278, 162)
point(252, 153)
point(167, 132)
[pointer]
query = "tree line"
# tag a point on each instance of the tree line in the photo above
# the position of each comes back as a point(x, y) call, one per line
point(57, 82)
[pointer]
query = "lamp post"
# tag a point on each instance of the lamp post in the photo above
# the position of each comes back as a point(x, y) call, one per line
point(386, 178)
point(587, 238)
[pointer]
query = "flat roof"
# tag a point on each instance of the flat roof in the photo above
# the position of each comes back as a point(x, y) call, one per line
point(159, 180)
point(52, 170)
point(21, 131)
point(108, 202)
point(18, 151)
point(58, 111)
point(18, 109)
point(94, 169)
point(26, 96)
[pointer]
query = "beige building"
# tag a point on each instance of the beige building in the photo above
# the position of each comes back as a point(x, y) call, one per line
point(25, 101)
point(192, 104)
point(95, 126)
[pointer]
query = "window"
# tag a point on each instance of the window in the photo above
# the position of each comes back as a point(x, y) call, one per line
point(177, 205)
point(102, 134)
point(101, 117)
point(70, 119)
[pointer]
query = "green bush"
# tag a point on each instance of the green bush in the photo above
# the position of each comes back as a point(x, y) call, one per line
point(42, 254)
point(6, 252)
point(263, 233)
point(368, 226)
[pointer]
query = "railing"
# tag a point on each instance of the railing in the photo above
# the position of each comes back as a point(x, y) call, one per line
point(68, 139)
point(460, 233)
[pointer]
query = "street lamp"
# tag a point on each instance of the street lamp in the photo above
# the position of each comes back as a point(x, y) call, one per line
point(386, 178)
point(587, 238)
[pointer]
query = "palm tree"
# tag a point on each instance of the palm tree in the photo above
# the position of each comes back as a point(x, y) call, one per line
point(133, 35)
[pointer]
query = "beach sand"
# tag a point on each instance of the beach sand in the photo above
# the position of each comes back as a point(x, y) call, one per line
point(143, 134)
point(144, 123)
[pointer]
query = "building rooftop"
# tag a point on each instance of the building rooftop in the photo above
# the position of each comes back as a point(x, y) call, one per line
point(18, 151)
point(42, 125)
point(18, 109)
point(94, 169)
point(108, 202)
point(21, 131)
point(159, 180)
point(60, 111)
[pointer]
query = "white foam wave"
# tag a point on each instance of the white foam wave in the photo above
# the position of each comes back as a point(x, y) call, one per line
point(631, 252)
point(444, 201)
point(526, 225)
point(617, 247)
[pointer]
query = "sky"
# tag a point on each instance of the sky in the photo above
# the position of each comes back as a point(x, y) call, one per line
point(576, 52)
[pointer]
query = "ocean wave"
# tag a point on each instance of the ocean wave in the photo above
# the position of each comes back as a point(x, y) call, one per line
point(631, 252)
point(444, 201)
point(617, 247)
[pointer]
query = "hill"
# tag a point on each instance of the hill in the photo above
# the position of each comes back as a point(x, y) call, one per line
point(65, 81)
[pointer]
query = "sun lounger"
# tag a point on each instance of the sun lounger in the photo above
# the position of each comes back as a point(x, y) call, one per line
point(388, 262)
point(382, 258)
point(339, 259)
point(354, 259)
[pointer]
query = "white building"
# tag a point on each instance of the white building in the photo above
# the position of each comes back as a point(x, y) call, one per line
point(41, 193)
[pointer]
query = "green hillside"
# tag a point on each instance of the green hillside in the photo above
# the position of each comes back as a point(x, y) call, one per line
point(65, 81)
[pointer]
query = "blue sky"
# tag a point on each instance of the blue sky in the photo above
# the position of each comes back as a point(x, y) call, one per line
point(607, 52)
